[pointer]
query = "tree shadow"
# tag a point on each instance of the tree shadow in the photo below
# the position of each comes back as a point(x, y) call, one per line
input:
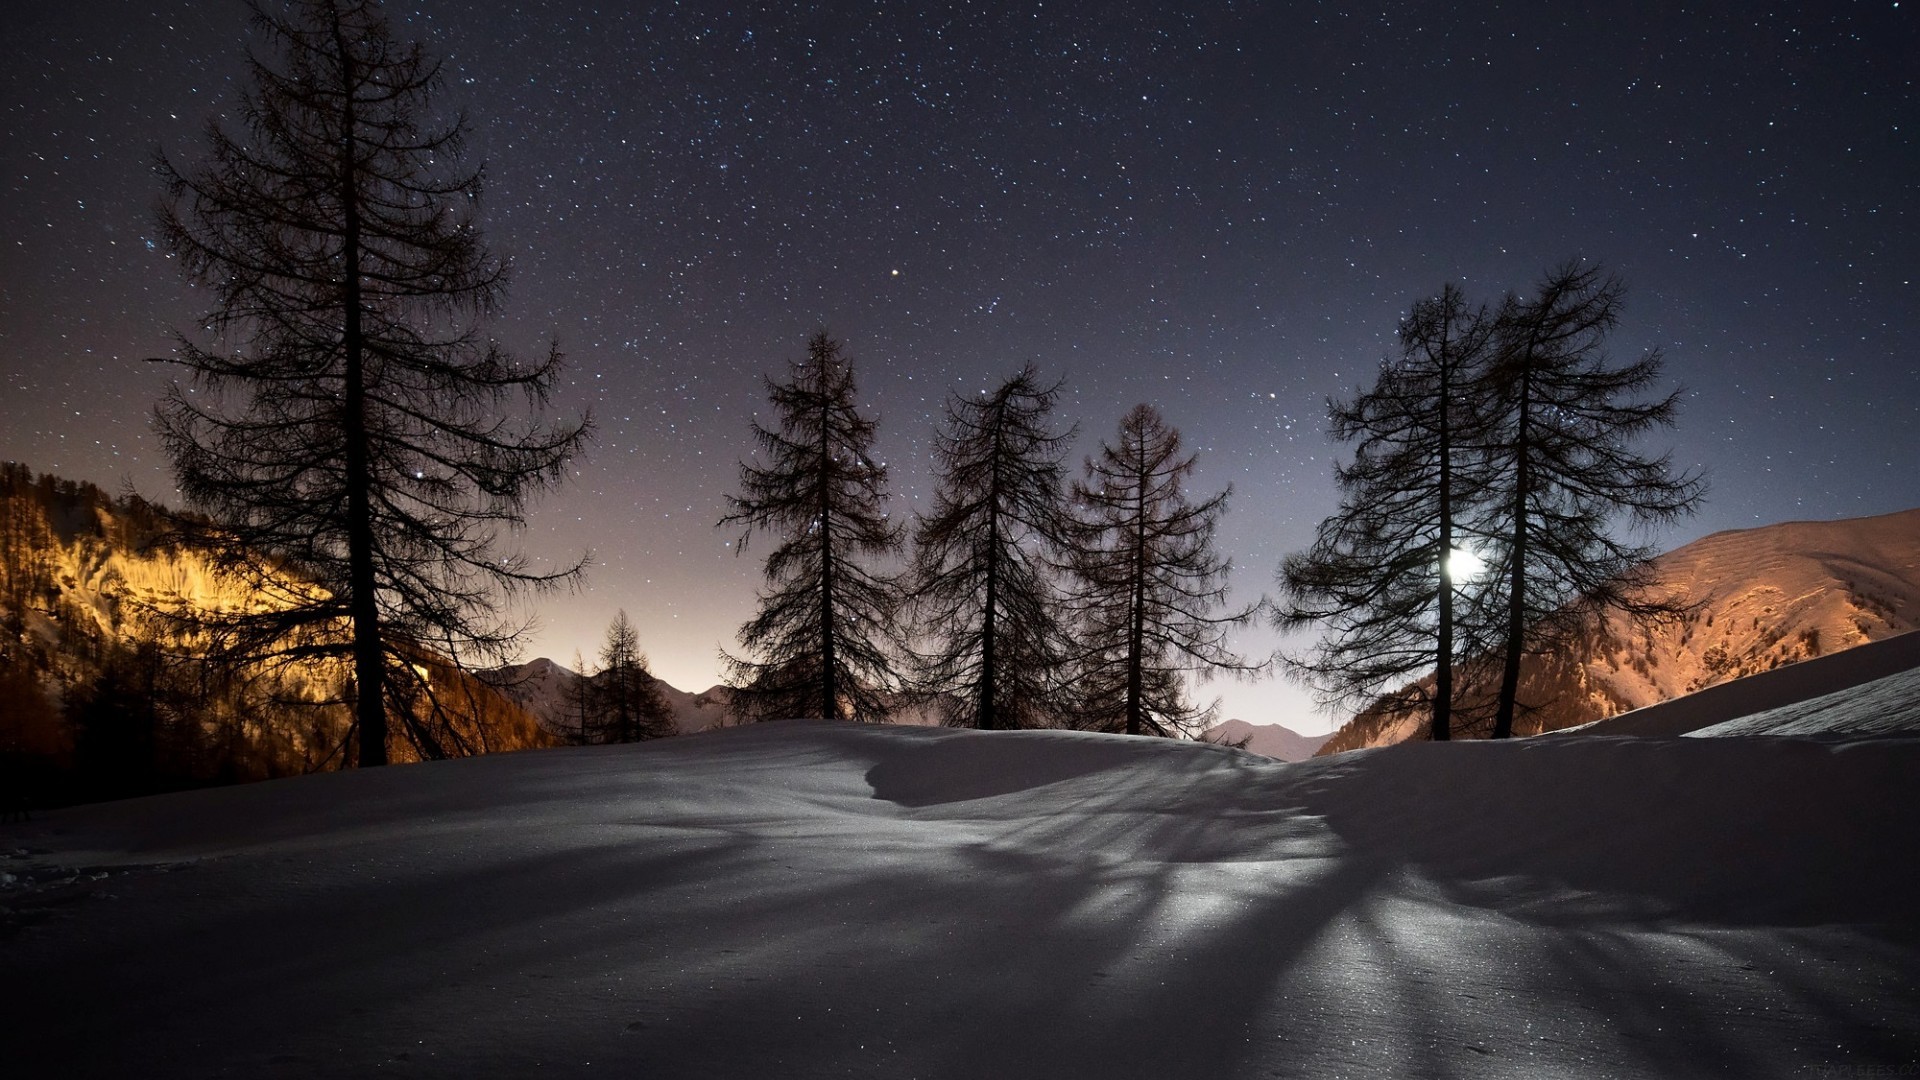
point(752, 907)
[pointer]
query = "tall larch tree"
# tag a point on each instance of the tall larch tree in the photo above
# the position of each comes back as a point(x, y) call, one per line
point(1149, 584)
point(984, 591)
point(824, 643)
point(1565, 469)
point(583, 725)
point(1380, 580)
point(359, 442)
point(629, 704)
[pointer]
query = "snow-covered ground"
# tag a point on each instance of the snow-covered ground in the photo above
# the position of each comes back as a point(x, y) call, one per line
point(816, 900)
point(1885, 706)
point(1867, 689)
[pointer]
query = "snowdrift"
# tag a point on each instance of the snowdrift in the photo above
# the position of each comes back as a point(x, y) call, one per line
point(1836, 678)
point(810, 900)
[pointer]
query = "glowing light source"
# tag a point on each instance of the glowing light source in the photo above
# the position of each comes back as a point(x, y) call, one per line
point(1464, 565)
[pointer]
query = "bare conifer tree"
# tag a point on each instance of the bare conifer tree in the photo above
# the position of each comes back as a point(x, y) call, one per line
point(984, 590)
point(1380, 577)
point(629, 704)
point(577, 693)
point(1565, 469)
point(1148, 584)
point(359, 442)
point(824, 640)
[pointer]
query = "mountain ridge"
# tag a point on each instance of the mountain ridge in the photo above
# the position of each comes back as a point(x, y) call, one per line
point(1276, 741)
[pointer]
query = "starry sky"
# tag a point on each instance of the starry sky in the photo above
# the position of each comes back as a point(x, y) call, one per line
point(1221, 210)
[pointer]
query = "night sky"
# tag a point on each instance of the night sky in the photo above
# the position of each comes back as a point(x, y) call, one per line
point(1221, 212)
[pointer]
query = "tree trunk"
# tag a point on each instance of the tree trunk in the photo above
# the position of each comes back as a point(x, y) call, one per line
point(1442, 727)
point(369, 661)
point(1137, 622)
point(986, 717)
point(1517, 592)
point(829, 663)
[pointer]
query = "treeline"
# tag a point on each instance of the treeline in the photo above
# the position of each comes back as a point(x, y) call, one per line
point(341, 411)
point(1494, 462)
point(1025, 600)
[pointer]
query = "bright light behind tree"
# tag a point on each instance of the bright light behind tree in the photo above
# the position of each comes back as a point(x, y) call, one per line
point(1464, 565)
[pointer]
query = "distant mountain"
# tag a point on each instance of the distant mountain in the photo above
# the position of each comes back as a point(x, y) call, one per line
point(1268, 740)
point(545, 688)
point(1767, 597)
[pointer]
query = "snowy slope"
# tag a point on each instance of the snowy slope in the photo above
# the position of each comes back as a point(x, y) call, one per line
point(1767, 598)
point(813, 900)
point(1276, 741)
point(1885, 706)
point(1843, 675)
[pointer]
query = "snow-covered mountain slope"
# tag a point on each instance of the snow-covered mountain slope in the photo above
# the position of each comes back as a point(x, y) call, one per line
point(1844, 675)
point(545, 688)
point(1885, 706)
point(1766, 597)
point(1276, 741)
point(811, 900)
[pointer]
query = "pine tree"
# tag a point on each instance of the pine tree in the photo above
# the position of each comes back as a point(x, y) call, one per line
point(984, 589)
point(1380, 577)
point(822, 644)
point(1148, 583)
point(1565, 469)
point(578, 696)
point(629, 703)
point(346, 423)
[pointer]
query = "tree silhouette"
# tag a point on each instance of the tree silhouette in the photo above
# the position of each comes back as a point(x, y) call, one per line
point(628, 699)
point(346, 423)
point(824, 635)
point(1380, 576)
point(1147, 583)
point(1564, 468)
point(577, 697)
point(983, 573)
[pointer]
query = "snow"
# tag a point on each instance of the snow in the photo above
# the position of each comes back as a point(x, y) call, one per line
point(1884, 706)
point(1837, 676)
point(806, 899)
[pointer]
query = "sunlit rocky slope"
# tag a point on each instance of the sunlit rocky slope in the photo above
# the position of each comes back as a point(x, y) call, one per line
point(94, 675)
